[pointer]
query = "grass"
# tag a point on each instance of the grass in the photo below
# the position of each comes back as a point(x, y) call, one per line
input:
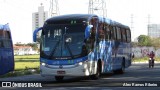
point(26, 65)
point(26, 57)
point(26, 62)
point(20, 73)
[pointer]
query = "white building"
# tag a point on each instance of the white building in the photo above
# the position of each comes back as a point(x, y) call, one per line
point(24, 50)
point(154, 30)
point(38, 18)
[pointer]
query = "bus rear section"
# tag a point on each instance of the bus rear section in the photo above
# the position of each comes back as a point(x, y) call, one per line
point(6, 50)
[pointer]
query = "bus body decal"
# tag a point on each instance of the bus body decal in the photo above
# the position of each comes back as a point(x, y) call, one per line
point(87, 31)
point(6, 50)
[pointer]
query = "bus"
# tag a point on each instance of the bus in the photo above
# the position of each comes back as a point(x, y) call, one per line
point(6, 50)
point(83, 45)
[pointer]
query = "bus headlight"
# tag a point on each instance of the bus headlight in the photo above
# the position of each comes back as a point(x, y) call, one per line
point(83, 63)
point(80, 63)
point(43, 64)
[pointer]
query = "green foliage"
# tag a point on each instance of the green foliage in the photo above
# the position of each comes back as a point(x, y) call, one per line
point(134, 44)
point(26, 61)
point(20, 73)
point(26, 65)
point(18, 57)
point(38, 40)
point(156, 42)
point(33, 45)
point(144, 40)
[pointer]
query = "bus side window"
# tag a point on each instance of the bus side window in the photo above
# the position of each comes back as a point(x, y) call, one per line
point(128, 35)
point(118, 33)
point(115, 33)
point(7, 34)
point(1, 33)
point(101, 32)
point(91, 40)
point(124, 35)
point(107, 31)
point(1, 44)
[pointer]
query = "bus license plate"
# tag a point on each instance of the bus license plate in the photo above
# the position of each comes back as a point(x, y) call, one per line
point(61, 72)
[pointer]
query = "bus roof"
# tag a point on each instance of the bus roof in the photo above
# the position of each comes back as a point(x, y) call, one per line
point(111, 22)
point(79, 18)
point(67, 18)
point(4, 27)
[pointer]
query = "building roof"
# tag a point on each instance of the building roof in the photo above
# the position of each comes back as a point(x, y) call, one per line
point(21, 47)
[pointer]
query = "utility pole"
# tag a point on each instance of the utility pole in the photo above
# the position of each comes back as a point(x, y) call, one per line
point(54, 8)
point(132, 27)
point(148, 24)
point(97, 7)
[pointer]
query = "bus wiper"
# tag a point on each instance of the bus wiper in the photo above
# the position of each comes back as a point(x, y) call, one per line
point(69, 49)
point(52, 53)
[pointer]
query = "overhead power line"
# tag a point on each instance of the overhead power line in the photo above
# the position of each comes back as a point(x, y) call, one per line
point(97, 7)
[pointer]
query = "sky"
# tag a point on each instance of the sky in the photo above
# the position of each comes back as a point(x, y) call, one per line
point(18, 13)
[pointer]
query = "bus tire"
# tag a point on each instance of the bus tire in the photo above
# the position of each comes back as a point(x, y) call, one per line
point(122, 69)
point(59, 78)
point(97, 75)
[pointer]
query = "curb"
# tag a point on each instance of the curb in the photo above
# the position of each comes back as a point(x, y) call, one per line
point(143, 62)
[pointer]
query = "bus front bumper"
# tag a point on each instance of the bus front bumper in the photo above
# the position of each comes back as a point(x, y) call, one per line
point(80, 69)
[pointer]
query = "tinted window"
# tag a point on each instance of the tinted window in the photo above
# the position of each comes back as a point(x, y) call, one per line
point(128, 35)
point(108, 33)
point(5, 34)
point(124, 35)
point(101, 32)
point(115, 33)
point(118, 34)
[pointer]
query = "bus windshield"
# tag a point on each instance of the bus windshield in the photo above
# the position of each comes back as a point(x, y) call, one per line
point(62, 41)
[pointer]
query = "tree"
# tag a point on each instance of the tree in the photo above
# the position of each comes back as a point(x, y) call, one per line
point(33, 45)
point(19, 44)
point(134, 44)
point(156, 42)
point(38, 40)
point(144, 40)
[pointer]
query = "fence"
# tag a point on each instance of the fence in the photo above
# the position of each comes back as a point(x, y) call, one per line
point(143, 51)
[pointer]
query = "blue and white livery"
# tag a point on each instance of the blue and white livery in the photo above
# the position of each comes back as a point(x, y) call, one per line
point(83, 45)
point(6, 50)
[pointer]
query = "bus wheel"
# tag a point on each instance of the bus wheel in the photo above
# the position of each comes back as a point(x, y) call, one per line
point(59, 78)
point(97, 75)
point(122, 70)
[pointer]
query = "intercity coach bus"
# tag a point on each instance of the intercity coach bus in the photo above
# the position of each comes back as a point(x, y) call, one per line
point(6, 50)
point(83, 45)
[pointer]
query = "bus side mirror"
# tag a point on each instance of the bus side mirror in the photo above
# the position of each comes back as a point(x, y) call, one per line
point(87, 31)
point(35, 34)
